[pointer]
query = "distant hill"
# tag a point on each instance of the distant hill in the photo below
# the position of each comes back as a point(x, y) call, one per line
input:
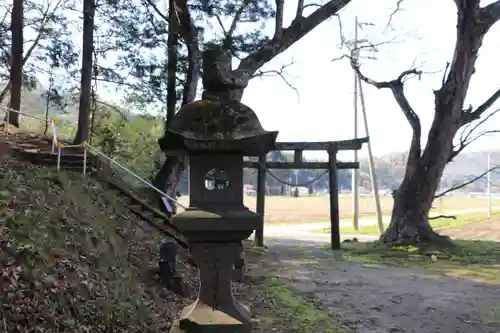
point(35, 102)
point(468, 165)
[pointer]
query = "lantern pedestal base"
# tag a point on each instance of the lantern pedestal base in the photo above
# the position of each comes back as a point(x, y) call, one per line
point(215, 245)
point(201, 318)
point(215, 310)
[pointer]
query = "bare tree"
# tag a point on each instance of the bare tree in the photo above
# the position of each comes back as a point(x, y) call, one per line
point(425, 165)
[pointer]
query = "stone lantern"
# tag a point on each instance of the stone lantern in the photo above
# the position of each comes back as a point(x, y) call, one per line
point(215, 135)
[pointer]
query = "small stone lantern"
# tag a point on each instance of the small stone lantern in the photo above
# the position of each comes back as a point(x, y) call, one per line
point(215, 135)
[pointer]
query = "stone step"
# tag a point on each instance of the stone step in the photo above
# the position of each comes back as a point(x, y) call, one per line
point(137, 201)
point(167, 229)
point(41, 160)
point(49, 155)
point(148, 213)
point(39, 157)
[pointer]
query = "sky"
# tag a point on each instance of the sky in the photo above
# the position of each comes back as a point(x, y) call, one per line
point(321, 108)
point(324, 108)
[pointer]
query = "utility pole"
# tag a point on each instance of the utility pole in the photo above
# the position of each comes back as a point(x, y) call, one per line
point(489, 184)
point(371, 164)
point(355, 172)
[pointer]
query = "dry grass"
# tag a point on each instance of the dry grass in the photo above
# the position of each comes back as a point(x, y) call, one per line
point(317, 208)
point(74, 260)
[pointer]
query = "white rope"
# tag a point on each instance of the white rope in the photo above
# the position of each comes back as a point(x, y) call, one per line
point(309, 182)
point(7, 109)
point(109, 159)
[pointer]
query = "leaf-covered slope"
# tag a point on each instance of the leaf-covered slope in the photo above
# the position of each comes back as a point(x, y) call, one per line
point(72, 260)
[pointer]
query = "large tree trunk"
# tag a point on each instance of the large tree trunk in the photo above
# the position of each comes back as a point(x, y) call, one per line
point(82, 133)
point(16, 69)
point(412, 203)
point(413, 200)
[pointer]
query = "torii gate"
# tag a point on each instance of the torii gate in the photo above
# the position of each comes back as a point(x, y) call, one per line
point(332, 148)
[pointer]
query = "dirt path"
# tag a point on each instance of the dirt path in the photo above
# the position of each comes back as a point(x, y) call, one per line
point(377, 299)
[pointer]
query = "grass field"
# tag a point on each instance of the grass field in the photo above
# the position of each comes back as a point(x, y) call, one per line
point(317, 208)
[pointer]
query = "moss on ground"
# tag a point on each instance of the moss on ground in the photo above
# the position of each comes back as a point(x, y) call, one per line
point(467, 259)
point(70, 260)
point(294, 313)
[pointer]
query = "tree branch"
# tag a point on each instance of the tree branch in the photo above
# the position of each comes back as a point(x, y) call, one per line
point(491, 14)
point(445, 73)
point(44, 20)
point(467, 136)
point(397, 9)
point(463, 144)
point(278, 72)
point(341, 32)
point(397, 88)
point(459, 186)
point(189, 33)
point(186, 27)
point(237, 17)
point(157, 10)
point(442, 217)
point(221, 24)
point(299, 27)
point(4, 91)
point(355, 50)
point(300, 8)
point(467, 117)
point(6, 13)
point(280, 4)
